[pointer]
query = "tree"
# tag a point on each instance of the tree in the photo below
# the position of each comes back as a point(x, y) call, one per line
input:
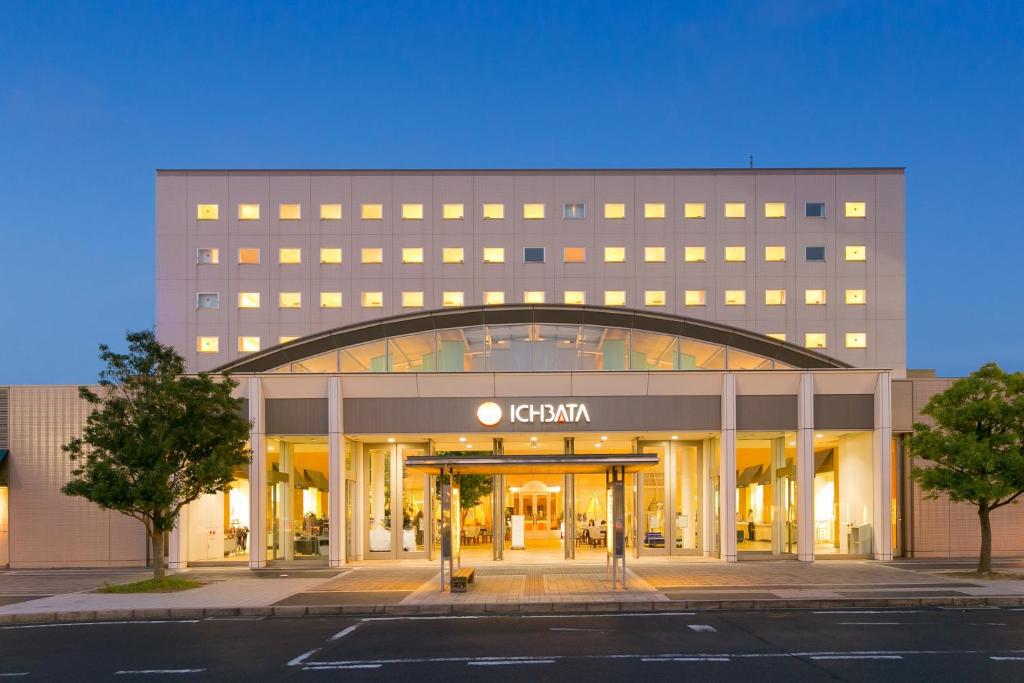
point(472, 487)
point(157, 439)
point(975, 446)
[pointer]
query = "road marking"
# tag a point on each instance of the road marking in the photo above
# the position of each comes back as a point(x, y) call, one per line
point(869, 611)
point(988, 623)
point(103, 623)
point(304, 656)
point(702, 628)
point(965, 609)
point(344, 632)
point(873, 623)
point(158, 672)
point(828, 657)
point(344, 666)
point(589, 615)
point(593, 630)
point(685, 659)
point(12, 674)
point(252, 618)
point(508, 662)
point(1007, 659)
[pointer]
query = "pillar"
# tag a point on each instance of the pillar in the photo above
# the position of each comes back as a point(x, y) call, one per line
point(881, 537)
point(335, 474)
point(805, 469)
point(777, 460)
point(498, 507)
point(257, 476)
point(707, 531)
point(285, 543)
point(727, 470)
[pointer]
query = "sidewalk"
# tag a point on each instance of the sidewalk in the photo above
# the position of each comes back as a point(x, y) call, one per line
point(413, 587)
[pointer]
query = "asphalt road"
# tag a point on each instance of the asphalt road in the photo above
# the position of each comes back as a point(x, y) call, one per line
point(855, 645)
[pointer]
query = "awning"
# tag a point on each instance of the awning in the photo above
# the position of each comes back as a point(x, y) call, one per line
point(823, 461)
point(531, 464)
point(747, 476)
point(317, 479)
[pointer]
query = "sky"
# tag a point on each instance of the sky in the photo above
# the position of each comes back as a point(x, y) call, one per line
point(94, 96)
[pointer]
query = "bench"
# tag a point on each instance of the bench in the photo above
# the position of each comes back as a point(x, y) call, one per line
point(461, 578)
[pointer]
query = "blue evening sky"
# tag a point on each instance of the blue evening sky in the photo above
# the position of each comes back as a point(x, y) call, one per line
point(96, 95)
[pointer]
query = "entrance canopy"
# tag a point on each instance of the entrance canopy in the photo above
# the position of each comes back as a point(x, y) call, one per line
point(531, 464)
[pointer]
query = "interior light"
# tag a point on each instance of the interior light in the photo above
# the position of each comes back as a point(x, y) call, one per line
point(819, 436)
point(604, 438)
point(597, 445)
point(533, 438)
point(675, 436)
point(391, 439)
point(462, 439)
point(469, 445)
point(792, 443)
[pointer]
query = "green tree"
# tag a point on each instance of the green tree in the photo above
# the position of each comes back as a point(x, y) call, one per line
point(975, 446)
point(472, 487)
point(157, 439)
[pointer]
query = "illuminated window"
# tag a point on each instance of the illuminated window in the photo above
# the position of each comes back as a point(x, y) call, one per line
point(289, 255)
point(453, 212)
point(494, 254)
point(248, 344)
point(814, 209)
point(494, 298)
point(814, 340)
point(694, 210)
point(735, 297)
point(249, 256)
point(614, 298)
point(289, 300)
point(452, 255)
point(653, 211)
point(330, 212)
point(614, 254)
point(814, 253)
point(856, 253)
point(735, 210)
point(774, 253)
point(615, 211)
point(774, 209)
point(373, 299)
point(735, 254)
point(207, 344)
point(533, 297)
point(856, 209)
point(781, 336)
point(574, 255)
point(654, 254)
point(330, 255)
point(814, 297)
point(533, 212)
point(494, 212)
point(248, 299)
point(412, 254)
point(412, 212)
point(574, 212)
point(412, 299)
point(856, 297)
point(289, 212)
point(695, 297)
point(654, 297)
point(330, 299)
point(248, 212)
point(371, 212)
point(574, 298)
point(774, 297)
point(285, 339)
point(209, 256)
point(452, 299)
point(371, 255)
point(856, 340)
point(207, 212)
point(533, 255)
point(695, 254)
point(207, 300)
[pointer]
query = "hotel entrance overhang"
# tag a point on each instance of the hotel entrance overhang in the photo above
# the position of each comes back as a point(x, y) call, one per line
point(740, 444)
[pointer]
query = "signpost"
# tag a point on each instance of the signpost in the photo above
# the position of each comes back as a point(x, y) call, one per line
point(450, 531)
point(616, 540)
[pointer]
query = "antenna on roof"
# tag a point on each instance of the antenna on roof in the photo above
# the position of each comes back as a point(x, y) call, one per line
point(750, 160)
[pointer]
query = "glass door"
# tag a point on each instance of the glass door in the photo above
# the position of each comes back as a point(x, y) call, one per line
point(687, 504)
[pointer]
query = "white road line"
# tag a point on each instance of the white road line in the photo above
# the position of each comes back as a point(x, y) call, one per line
point(869, 611)
point(344, 632)
point(593, 615)
point(102, 623)
point(12, 674)
point(873, 623)
point(1007, 659)
point(509, 662)
point(988, 623)
point(143, 672)
point(344, 666)
point(565, 628)
point(303, 657)
point(702, 628)
point(829, 657)
point(685, 659)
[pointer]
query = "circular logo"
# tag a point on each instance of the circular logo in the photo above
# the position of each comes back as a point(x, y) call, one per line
point(489, 414)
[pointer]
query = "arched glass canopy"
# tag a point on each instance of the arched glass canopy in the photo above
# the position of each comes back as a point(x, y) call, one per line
point(531, 339)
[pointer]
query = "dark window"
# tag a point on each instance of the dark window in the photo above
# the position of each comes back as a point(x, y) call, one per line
point(533, 254)
point(574, 211)
point(815, 253)
point(814, 209)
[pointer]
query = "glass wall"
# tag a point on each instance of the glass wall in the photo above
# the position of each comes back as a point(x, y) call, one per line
point(397, 522)
point(297, 498)
point(843, 492)
point(218, 523)
point(766, 518)
point(532, 348)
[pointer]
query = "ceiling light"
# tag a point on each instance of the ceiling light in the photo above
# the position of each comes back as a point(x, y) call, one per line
point(792, 443)
point(391, 439)
point(604, 438)
point(469, 445)
point(675, 436)
point(597, 445)
point(533, 438)
point(462, 439)
point(819, 436)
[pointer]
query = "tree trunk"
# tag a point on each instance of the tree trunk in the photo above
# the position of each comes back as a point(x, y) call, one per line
point(156, 540)
point(985, 556)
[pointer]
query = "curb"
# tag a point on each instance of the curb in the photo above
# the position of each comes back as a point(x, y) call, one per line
point(497, 609)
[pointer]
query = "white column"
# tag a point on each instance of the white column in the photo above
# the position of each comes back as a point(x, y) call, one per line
point(779, 495)
point(335, 474)
point(177, 542)
point(285, 535)
point(805, 469)
point(684, 490)
point(882, 527)
point(707, 497)
point(727, 469)
point(257, 476)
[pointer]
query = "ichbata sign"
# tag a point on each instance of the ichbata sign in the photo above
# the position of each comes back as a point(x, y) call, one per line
point(490, 413)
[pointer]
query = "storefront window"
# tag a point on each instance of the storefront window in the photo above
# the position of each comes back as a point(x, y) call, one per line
point(218, 523)
point(687, 493)
point(653, 510)
point(651, 351)
point(843, 492)
point(766, 494)
point(414, 522)
point(297, 497)
point(378, 492)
